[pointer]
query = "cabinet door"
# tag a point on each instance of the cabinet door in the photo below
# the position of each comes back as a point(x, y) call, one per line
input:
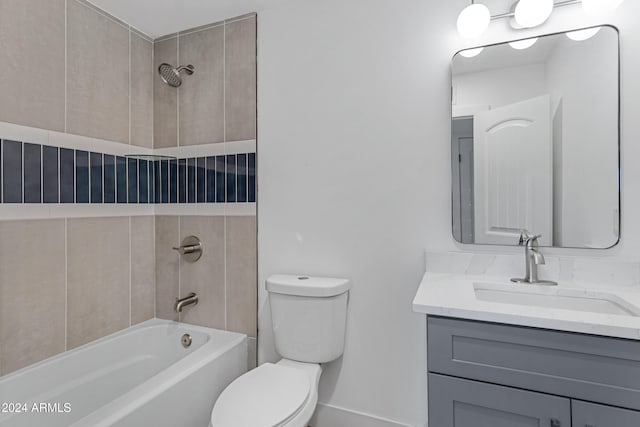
point(454, 402)
point(592, 415)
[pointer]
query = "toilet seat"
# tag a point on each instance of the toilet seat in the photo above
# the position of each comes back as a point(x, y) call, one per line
point(267, 396)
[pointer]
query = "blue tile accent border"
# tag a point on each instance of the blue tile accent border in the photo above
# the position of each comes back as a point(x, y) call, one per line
point(67, 176)
point(96, 174)
point(35, 173)
point(109, 178)
point(82, 176)
point(50, 174)
point(11, 172)
point(32, 173)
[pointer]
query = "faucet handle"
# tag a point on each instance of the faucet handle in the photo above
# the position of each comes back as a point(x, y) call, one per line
point(526, 237)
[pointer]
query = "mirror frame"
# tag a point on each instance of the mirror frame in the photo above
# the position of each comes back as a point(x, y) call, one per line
point(619, 138)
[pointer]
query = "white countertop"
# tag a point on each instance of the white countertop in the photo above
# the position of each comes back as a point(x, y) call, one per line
point(453, 295)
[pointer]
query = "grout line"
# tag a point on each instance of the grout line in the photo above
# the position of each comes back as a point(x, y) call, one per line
point(130, 72)
point(198, 29)
point(224, 83)
point(58, 177)
point(41, 173)
point(104, 181)
point(179, 266)
point(178, 95)
point(226, 314)
point(155, 271)
point(130, 272)
point(23, 174)
point(153, 96)
point(66, 285)
point(103, 13)
point(250, 15)
point(255, 116)
point(66, 48)
point(75, 177)
point(224, 240)
point(89, 174)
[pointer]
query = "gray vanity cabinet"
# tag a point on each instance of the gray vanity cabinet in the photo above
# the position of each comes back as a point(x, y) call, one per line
point(454, 402)
point(592, 415)
point(494, 375)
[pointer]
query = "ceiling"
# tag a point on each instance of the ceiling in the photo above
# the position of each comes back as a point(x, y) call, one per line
point(157, 18)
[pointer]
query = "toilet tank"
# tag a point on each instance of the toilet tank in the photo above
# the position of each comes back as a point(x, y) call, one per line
point(308, 316)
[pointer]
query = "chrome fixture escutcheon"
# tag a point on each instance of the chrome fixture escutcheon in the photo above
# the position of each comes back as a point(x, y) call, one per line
point(186, 340)
point(190, 249)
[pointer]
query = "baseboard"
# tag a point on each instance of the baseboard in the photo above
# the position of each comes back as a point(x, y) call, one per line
point(333, 416)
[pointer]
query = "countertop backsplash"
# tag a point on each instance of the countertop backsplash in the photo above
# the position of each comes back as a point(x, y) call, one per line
point(583, 271)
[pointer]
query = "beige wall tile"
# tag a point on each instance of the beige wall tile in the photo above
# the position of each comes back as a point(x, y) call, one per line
point(242, 288)
point(141, 91)
point(240, 84)
point(206, 276)
point(167, 278)
point(98, 278)
point(32, 291)
point(165, 104)
point(202, 94)
point(97, 75)
point(143, 269)
point(32, 58)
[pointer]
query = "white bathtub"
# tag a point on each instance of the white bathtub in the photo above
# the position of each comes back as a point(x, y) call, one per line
point(141, 376)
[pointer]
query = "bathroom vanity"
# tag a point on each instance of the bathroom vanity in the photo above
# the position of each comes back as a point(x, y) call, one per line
point(530, 355)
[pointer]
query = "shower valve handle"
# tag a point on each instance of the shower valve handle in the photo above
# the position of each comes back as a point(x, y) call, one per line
point(190, 249)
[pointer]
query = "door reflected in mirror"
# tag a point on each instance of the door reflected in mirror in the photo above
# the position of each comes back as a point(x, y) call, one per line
point(535, 141)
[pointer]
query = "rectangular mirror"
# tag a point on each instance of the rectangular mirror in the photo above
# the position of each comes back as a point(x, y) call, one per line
point(535, 141)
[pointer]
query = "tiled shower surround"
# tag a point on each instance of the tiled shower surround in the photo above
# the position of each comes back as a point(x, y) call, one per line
point(69, 127)
point(34, 173)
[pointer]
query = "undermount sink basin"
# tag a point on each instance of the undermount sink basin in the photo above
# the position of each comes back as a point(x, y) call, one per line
point(556, 298)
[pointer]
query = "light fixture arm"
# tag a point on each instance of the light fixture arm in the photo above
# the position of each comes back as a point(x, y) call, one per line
point(512, 13)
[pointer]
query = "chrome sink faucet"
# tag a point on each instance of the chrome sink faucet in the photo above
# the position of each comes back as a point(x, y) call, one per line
point(533, 258)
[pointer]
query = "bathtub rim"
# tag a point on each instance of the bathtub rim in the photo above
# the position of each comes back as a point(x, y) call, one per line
point(150, 323)
point(158, 383)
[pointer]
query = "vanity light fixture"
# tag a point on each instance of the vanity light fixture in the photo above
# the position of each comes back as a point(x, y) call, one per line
point(475, 18)
point(470, 53)
point(581, 35)
point(531, 13)
point(523, 44)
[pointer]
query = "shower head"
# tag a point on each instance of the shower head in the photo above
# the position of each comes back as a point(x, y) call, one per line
point(171, 75)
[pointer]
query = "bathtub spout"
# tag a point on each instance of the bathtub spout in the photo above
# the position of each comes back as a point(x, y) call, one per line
point(191, 299)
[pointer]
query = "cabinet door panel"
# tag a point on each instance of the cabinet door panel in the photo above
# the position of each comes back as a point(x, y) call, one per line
point(592, 415)
point(454, 402)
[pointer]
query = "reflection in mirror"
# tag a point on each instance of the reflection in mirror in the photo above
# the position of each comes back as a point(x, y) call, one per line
point(534, 141)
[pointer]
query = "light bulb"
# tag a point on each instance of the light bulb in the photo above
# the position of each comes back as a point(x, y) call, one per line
point(531, 13)
point(473, 20)
point(600, 7)
point(580, 35)
point(470, 53)
point(523, 44)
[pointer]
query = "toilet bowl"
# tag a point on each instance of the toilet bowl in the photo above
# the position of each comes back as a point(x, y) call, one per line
point(280, 395)
point(308, 318)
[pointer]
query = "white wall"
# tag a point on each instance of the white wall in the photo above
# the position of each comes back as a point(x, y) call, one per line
point(354, 173)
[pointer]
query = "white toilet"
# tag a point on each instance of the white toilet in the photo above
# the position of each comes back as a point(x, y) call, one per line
point(308, 316)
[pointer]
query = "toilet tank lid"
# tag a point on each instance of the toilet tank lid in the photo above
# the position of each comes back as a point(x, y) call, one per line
point(307, 286)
